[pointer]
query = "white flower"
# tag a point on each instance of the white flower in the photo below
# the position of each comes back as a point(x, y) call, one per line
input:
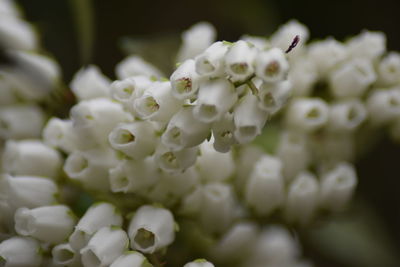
point(131, 259)
point(337, 186)
point(367, 44)
point(265, 187)
point(346, 115)
point(274, 96)
point(51, 224)
point(91, 167)
point(222, 131)
point(185, 80)
point(174, 161)
point(21, 121)
point(30, 191)
point(133, 175)
point(94, 119)
point(352, 78)
point(303, 74)
point(239, 61)
point(215, 98)
point(195, 40)
point(136, 139)
point(64, 255)
point(151, 229)
point(89, 83)
point(157, 103)
point(302, 198)
point(210, 63)
point(127, 90)
point(104, 247)
point(60, 134)
point(20, 251)
point(389, 69)
point(236, 243)
point(384, 105)
point(271, 65)
point(17, 34)
point(184, 130)
point(307, 114)
point(31, 157)
point(135, 66)
point(326, 54)
point(249, 119)
point(96, 217)
point(214, 166)
point(199, 263)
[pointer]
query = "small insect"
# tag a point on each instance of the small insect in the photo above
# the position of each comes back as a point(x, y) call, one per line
point(294, 43)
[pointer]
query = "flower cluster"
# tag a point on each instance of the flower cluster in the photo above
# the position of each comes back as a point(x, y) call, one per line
point(172, 165)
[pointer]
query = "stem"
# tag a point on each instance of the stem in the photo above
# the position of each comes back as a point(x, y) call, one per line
point(253, 88)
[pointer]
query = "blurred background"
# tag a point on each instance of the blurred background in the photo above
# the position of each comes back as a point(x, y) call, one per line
point(102, 32)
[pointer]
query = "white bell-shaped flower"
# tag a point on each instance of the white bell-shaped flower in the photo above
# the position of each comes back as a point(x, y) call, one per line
point(64, 255)
point(307, 114)
point(89, 83)
point(271, 65)
point(274, 96)
point(31, 157)
point(265, 187)
point(185, 80)
point(173, 161)
point(17, 34)
point(60, 134)
point(131, 259)
point(214, 99)
point(21, 121)
point(96, 217)
point(137, 139)
point(30, 191)
point(239, 61)
point(346, 115)
point(223, 133)
point(51, 224)
point(157, 103)
point(195, 40)
point(136, 66)
point(249, 119)
point(368, 45)
point(199, 263)
point(106, 245)
point(184, 130)
point(302, 73)
point(384, 106)
point(20, 251)
point(389, 69)
point(210, 63)
point(151, 229)
point(302, 198)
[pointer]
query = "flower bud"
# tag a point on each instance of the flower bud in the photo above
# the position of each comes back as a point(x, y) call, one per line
point(352, 78)
point(106, 245)
point(265, 187)
point(21, 121)
point(157, 103)
point(135, 66)
point(210, 63)
point(249, 119)
point(307, 114)
point(31, 157)
point(20, 251)
point(136, 139)
point(89, 83)
point(96, 217)
point(184, 130)
point(151, 229)
point(17, 34)
point(51, 224)
point(271, 65)
point(239, 61)
point(195, 40)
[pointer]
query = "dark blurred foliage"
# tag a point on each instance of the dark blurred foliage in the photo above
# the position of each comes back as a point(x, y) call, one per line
point(157, 23)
